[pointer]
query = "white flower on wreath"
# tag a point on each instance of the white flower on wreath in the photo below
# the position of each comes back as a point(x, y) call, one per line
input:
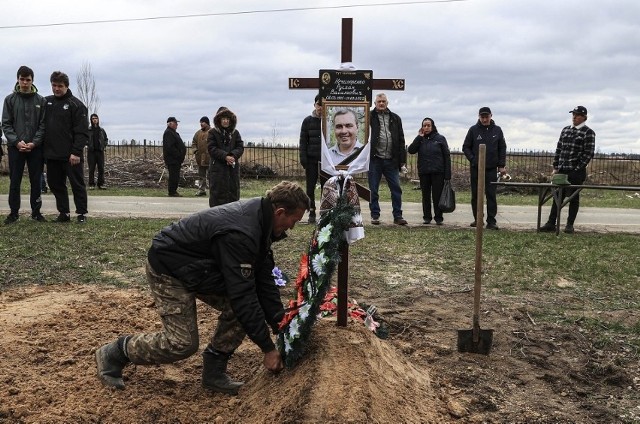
point(304, 311)
point(294, 328)
point(287, 345)
point(319, 261)
point(324, 234)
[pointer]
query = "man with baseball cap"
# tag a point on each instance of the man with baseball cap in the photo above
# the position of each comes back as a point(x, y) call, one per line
point(173, 153)
point(574, 151)
point(485, 131)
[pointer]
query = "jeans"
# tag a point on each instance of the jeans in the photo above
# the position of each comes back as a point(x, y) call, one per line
point(377, 168)
point(34, 161)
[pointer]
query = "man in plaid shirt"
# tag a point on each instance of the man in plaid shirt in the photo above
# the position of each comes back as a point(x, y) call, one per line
point(573, 153)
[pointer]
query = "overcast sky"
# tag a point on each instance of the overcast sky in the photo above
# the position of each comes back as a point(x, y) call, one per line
point(530, 61)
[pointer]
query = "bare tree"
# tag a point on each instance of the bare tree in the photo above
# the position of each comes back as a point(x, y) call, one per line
point(87, 88)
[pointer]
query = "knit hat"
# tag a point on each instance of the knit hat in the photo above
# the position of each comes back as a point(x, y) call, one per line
point(205, 119)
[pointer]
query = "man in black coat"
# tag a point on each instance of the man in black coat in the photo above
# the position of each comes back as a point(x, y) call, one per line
point(310, 148)
point(485, 131)
point(66, 133)
point(221, 256)
point(173, 153)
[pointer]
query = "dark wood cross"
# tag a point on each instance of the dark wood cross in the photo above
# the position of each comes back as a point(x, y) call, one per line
point(296, 83)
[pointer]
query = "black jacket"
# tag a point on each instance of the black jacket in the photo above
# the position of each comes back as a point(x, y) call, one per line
point(310, 139)
point(494, 139)
point(173, 148)
point(433, 154)
point(226, 250)
point(102, 139)
point(66, 127)
point(399, 152)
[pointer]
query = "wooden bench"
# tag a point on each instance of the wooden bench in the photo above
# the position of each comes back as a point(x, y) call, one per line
point(548, 191)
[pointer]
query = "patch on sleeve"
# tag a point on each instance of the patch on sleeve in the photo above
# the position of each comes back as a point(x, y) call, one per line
point(246, 270)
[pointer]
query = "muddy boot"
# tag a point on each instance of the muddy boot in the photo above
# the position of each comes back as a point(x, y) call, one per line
point(111, 359)
point(214, 372)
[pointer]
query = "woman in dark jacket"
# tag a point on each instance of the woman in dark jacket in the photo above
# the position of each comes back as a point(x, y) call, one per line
point(434, 167)
point(225, 147)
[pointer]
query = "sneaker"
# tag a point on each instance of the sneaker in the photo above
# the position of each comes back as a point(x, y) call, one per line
point(473, 224)
point(400, 221)
point(492, 226)
point(439, 222)
point(82, 219)
point(201, 193)
point(569, 229)
point(63, 217)
point(38, 217)
point(11, 218)
point(92, 187)
point(375, 220)
point(549, 227)
point(102, 187)
point(426, 221)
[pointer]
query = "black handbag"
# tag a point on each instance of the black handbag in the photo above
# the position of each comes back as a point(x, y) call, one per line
point(447, 201)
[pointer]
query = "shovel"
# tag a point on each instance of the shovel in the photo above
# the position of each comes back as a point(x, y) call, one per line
point(477, 340)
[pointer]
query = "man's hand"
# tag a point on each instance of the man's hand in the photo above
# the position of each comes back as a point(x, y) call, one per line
point(502, 170)
point(273, 361)
point(74, 160)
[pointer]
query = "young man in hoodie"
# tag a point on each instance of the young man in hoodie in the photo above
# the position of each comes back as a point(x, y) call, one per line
point(23, 125)
point(95, 152)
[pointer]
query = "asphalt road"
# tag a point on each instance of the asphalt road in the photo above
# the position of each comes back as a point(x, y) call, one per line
point(509, 217)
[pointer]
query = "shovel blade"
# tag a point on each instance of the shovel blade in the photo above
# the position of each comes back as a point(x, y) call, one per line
point(482, 345)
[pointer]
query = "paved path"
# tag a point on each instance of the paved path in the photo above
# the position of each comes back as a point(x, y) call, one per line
point(509, 217)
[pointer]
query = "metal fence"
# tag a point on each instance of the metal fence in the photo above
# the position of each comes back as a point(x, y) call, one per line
point(281, 162)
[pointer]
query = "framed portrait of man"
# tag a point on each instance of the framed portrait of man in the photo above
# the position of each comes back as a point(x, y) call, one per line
point(345, 129)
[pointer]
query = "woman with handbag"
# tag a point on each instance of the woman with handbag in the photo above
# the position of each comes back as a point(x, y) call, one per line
point(434, 167)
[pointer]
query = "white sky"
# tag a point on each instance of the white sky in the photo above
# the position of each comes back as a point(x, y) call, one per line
point(530, 61)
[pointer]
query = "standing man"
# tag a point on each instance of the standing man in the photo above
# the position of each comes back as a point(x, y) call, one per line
point(173, 153)
point(574, 151)
point(203, 159)
point(66, 134)
point(23, 125)
point(221, 256)
point(310, 152)
point(95, 152)
point(388, 156)
point(485, 131)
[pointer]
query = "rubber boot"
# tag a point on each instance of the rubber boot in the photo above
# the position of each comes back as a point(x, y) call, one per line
point(110, 360)
point(214, 373)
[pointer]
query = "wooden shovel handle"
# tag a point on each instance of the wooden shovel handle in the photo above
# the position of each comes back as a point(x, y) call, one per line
point(482, 154)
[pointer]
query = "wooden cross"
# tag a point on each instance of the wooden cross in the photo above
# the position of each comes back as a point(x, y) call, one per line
point(377, 84)
point(296, 83)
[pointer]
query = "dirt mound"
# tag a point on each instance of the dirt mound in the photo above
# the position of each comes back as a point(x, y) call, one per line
point(49, 335)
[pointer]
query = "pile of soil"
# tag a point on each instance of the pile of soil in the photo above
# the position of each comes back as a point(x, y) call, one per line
point(535, 373)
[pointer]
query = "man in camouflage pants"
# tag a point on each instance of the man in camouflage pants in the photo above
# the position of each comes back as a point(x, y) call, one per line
point(221, 256)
